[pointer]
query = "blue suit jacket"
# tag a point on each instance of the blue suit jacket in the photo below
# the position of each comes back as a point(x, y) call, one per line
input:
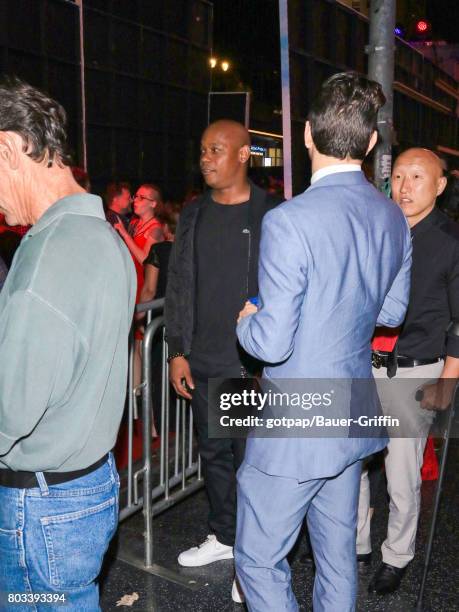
point(334, 263)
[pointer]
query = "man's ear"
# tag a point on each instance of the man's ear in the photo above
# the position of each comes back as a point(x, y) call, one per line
point(308, 141)
point(373, 141)
point(244, 154)
point(441, 185)
point(9, 151)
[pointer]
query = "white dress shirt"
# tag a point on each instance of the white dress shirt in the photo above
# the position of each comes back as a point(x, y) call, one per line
point(334, 169)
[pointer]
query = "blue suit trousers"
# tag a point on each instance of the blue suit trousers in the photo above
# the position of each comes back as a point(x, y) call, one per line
point(271, 510)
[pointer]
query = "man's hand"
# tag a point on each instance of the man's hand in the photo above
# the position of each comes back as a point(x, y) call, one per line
point(437, 396)
point(248, 309)
point(120, 227)
point(180, 376)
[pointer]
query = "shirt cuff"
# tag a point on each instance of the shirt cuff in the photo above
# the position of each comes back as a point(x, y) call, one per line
point(175, 344)
point(241, 331)
point(452, 346)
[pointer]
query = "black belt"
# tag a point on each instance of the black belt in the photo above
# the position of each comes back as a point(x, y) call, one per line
point(379, 360)
point(28, 480)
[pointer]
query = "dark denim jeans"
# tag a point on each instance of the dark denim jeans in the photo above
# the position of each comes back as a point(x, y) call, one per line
point(53, 540)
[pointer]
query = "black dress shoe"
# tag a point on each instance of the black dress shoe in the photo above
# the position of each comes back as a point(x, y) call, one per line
point(387, 579)
point(364, 563)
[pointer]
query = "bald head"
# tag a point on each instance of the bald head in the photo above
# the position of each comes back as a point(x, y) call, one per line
point(417, 181)
point(425, 157)
point(225, 152)
point(231, 130)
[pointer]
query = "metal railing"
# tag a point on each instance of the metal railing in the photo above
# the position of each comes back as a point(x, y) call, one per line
point(175, 471)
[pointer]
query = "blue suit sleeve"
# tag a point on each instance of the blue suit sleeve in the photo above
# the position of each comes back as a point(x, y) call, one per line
point(396, 302)
point(269, 334)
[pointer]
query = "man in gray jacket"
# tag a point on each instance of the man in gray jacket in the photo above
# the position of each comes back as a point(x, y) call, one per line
point(65, 313)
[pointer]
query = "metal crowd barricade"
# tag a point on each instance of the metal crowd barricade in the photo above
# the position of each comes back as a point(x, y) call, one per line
point(454, 406)
point(176, 473)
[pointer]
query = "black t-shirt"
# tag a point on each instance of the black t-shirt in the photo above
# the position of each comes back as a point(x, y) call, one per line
point(159, 257)
point(434, 295)
point(221, 259)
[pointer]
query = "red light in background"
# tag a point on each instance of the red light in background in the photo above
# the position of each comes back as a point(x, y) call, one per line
point(422, 26)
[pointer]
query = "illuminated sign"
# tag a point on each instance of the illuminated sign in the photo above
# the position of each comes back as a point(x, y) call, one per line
point(257, 150)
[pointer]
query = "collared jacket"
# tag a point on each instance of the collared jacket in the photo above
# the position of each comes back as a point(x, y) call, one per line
point(334, 263)
point(180, 292)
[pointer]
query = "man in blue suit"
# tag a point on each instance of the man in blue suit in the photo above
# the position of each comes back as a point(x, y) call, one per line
point(334, 262)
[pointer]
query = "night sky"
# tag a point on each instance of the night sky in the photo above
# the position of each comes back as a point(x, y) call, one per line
point(247, 21)
point(444, 17)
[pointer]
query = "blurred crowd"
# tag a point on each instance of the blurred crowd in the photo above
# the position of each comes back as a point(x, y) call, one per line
point(143, 218)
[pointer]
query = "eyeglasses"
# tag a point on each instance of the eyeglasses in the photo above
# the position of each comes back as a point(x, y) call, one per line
point(141, 197)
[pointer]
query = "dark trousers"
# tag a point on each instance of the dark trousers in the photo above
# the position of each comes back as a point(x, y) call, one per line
point(220, 459)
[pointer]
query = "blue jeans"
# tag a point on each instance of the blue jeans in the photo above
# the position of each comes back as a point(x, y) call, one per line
point(53, 540)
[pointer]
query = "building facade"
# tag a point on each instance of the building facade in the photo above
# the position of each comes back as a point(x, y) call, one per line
point(327, 37)
point(146, 80)
point(147, 77)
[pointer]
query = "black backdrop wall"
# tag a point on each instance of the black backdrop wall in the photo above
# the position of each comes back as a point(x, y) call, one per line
point(146, 80)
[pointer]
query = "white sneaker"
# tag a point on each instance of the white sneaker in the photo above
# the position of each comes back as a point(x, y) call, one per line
point(236, 592)
point(209, 551)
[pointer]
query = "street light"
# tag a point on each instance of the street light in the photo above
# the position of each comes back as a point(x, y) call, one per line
point(224, 64)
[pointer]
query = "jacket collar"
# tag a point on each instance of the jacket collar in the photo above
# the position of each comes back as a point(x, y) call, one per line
point(432, 219)
point(77, 204)
point(256, 202)
point(334, 169)
point(340, 178)
point(257, 194)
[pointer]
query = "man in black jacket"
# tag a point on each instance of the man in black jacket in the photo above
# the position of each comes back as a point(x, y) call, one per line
point(427, 349)
point(212, 272)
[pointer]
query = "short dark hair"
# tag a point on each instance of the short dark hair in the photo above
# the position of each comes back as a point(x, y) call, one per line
point(115, 189)
point(159, 209)
point(156, 189)
point(38, 119)
point(170, 214)
point(343, 116)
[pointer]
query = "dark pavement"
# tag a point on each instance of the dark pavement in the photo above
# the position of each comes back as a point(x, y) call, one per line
point(185, 525)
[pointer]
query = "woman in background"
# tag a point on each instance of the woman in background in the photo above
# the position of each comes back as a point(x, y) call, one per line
point(154, 287)
point(144, 230)
point(157, 261)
